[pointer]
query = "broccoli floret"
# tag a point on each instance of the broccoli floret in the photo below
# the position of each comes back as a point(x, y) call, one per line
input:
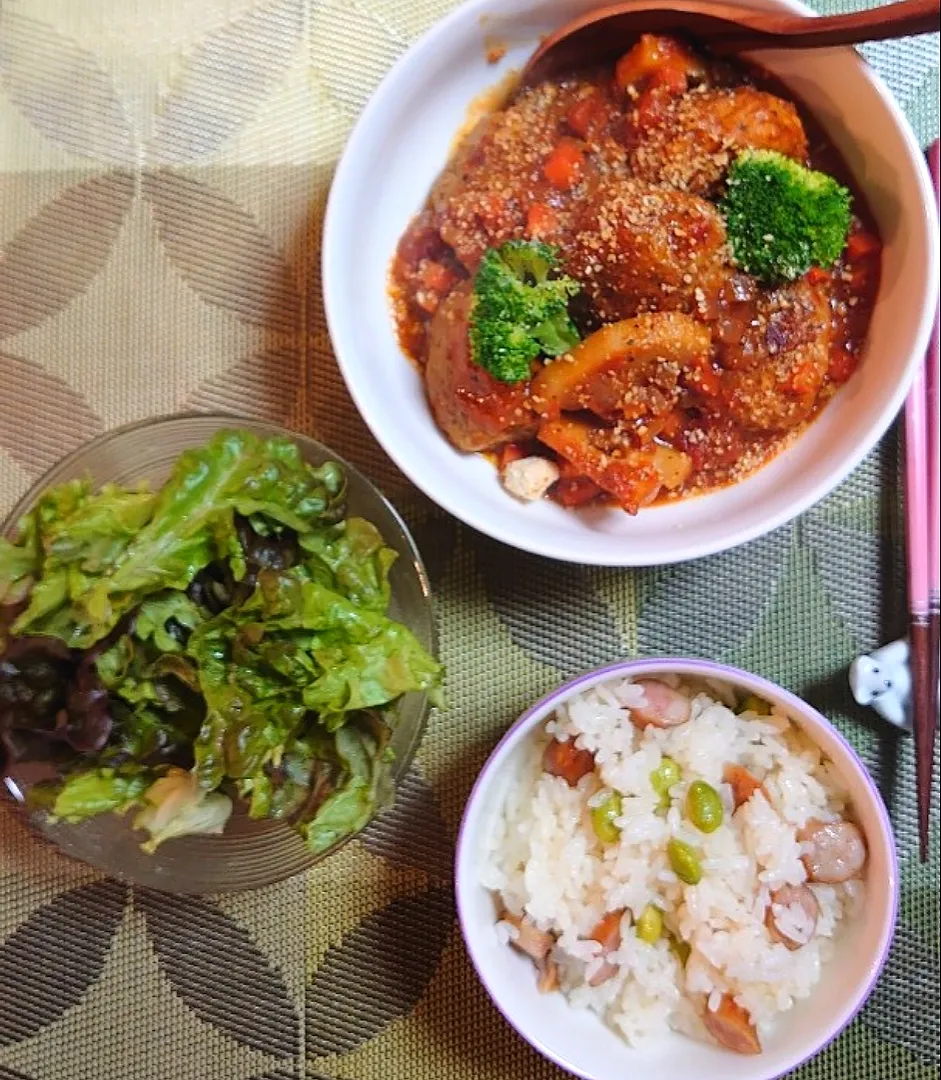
point(520, 311)
point(782, 218)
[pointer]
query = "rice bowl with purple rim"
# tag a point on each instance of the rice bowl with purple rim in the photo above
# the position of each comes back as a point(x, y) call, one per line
point(666, 858)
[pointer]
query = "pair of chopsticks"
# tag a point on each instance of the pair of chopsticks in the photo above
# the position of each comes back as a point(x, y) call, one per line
point(923, 521)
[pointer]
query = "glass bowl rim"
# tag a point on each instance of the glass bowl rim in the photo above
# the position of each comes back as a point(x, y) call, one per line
point(235, 421)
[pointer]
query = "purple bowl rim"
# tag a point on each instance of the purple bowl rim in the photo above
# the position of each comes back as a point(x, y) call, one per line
point(708, 669)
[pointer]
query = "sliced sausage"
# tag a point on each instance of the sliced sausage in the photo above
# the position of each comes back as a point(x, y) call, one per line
point(792, 915)
point(732, 1027)
point(835, 851)
point(548, 976)
point(567, 760)
point(664, 707)
point(742, 783)
point(608, 935)
point(530, 940)
point(602, 974)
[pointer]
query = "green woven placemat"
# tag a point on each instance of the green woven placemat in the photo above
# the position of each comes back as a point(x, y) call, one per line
point(163, 171)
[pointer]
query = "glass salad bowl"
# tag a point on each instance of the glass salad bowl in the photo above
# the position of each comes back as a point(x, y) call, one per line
point(249, 853)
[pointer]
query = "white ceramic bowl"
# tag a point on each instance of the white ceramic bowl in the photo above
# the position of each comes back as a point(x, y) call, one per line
point(399, 145)
point(576, 1039)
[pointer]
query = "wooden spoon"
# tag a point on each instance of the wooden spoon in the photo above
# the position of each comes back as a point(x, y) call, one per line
point(605, 32)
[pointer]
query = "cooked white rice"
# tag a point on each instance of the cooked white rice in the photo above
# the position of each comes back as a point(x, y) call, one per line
point(544, 861)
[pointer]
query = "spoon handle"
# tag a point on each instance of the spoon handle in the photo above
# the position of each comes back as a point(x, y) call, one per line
point(799, 32)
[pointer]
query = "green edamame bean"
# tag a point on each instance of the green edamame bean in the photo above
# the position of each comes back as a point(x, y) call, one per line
point(663, 778)
point(685, 862)
point(703, 806)
point(650, 925)
point(753, 703)
point(603, 817)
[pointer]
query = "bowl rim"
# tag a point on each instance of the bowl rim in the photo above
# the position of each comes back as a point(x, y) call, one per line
point(234, 420)
point(528, 721)
point(435, 483)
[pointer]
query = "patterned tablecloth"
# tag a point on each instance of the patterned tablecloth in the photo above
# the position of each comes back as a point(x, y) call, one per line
point(163, 171)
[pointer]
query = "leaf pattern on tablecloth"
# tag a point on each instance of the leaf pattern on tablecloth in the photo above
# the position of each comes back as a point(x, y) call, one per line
point(921, 912)
point(243, 107)
point(377, 972)
point(49, 962)
point(216, 968)
point(436, 537)
point(263, 386)
point(914, 1020)
point(12, 1074)
point(224, 81)
point(846, 555)
point(551, 609)
point(221, 251)
point(682, 615)
point(922, 107)
point(855, 536)
point(57, 417)
point(63, 89)
point(859, 1054)
point(61, 249)
point(281, 1074)
point(795, 639)
point(412, 832)
point(364, 41)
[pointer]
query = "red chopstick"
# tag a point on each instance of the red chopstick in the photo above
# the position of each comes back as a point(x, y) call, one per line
point(924, 550)
point(933, 380)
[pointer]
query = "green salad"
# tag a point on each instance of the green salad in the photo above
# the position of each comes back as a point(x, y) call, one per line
point(224, 637)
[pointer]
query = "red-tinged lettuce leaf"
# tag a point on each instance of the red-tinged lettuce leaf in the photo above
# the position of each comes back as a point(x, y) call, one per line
point(106, 553)
point(365, 787)
point(62, 708)
point(53, 707)
point(263, 548)
point(19, 565)
point(94, 533)
point(156, 703)
point(294, 786)
point(88, 720)
point(252, 694)
point(146, 736)
point(366, 659)
point(166, 619)
point(231, 627)
point(357, 559)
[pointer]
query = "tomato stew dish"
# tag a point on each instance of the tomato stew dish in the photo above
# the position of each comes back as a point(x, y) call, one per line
point(639, 284)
